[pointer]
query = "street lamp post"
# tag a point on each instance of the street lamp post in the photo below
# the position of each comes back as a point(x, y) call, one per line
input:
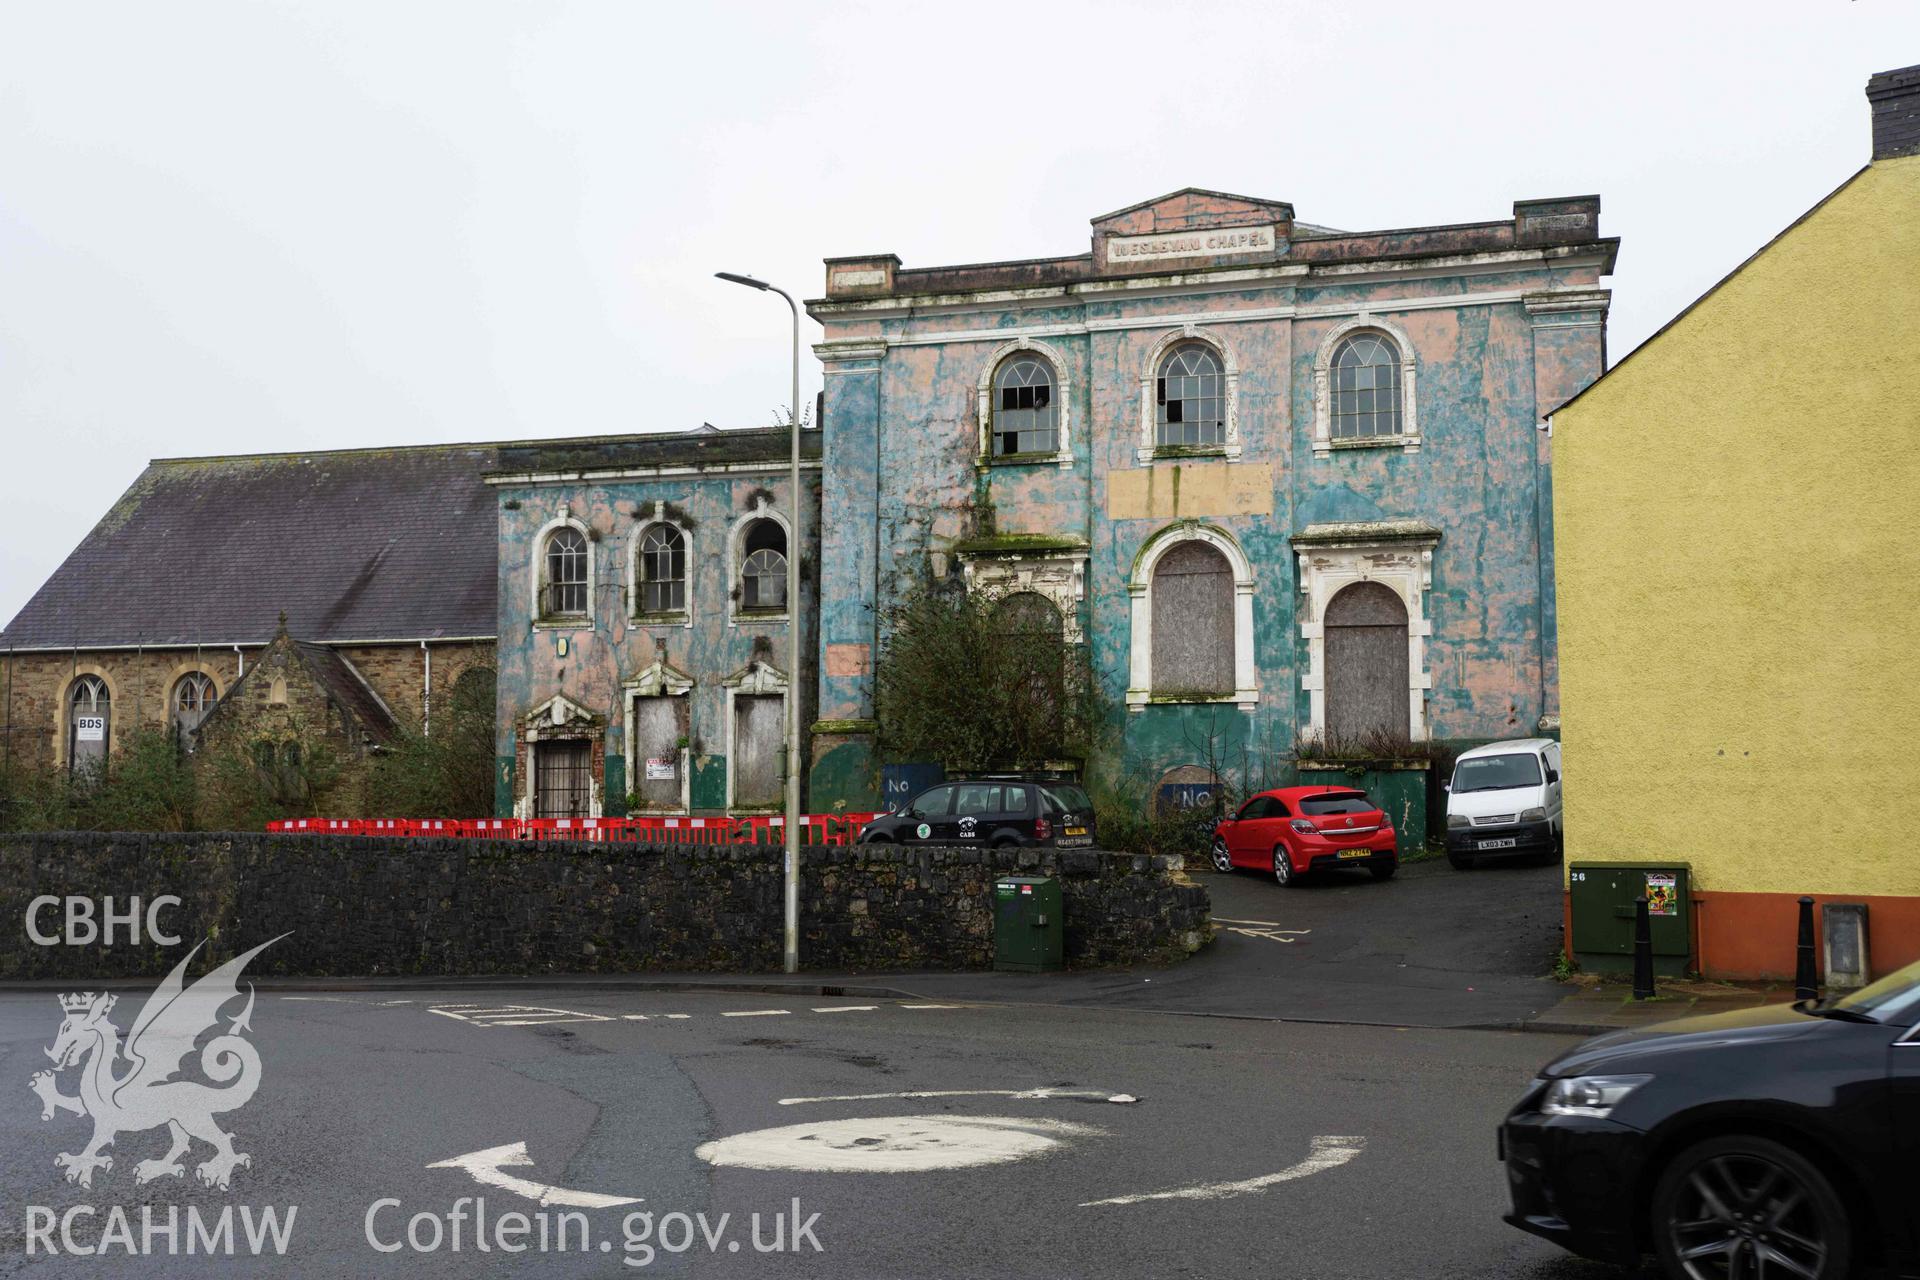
point(794, 686)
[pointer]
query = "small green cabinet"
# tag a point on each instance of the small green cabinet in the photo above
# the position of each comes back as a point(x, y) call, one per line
point(1600, 899)
point(1028, 933)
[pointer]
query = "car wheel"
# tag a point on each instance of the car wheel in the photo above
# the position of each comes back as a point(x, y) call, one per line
point(1743, 1206)
point(1461, 861)
point(1222, 859)
point(1283, 872)
point(1384, 870)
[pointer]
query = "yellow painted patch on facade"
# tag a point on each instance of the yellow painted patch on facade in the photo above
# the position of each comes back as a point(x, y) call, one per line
point(1737, 534)
point(1170, 490)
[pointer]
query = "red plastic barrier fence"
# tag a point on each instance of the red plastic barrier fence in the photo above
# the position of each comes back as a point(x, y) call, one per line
point(816, 829)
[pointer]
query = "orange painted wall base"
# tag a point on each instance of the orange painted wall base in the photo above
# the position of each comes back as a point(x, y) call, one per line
point(1740, 936)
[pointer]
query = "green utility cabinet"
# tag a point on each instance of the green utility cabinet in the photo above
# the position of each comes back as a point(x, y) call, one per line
point(1028, 934)
point(1601, 897)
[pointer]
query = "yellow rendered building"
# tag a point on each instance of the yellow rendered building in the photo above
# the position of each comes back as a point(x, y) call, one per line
point(1737, 536)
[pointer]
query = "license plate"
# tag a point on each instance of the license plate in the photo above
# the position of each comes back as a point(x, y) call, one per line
point(1356, 853)
point(1073, 841)
point(1073, 831)
point(1507, 843)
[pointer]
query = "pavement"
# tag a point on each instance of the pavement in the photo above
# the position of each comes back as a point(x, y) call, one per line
point(1001, 1140)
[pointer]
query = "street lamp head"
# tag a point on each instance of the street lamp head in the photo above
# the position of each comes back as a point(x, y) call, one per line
point(748, 281)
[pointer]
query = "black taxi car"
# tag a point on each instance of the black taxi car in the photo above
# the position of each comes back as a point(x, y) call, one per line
point(991, 812)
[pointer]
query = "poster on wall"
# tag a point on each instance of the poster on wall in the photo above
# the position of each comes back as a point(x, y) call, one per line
point(660, 769)
point(90, 728)
point(1662, 898)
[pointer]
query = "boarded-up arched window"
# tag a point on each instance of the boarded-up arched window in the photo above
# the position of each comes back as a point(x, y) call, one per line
point(1193, 621)
point(1032, 659)
point(1366, 648)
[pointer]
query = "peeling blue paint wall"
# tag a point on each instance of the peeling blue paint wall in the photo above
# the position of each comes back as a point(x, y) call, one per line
point(590, 665)
point(1496, 345)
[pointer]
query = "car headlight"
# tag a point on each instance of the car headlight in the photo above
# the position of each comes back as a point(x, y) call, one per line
point(1593, 1096)
point(1455, 821)
point(1533, 815)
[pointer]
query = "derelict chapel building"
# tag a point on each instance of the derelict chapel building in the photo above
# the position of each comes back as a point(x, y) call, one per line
point(1283, 483)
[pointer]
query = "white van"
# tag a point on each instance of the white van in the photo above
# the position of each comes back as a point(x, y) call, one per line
point(1504, 801)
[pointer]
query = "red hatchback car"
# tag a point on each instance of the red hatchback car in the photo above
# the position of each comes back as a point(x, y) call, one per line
point(1300, 830)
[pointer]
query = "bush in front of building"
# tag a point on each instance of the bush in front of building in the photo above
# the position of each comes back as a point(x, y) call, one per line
point(978, 684)
point(447, 773)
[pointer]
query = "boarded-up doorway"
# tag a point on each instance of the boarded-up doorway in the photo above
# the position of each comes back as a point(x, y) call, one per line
point(659, 728)
point(563, 778)
point(759, 730)
point(1366, 646)
point(1193, 622)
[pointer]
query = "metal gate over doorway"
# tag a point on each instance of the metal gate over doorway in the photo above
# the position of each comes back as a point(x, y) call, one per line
point(563, 779)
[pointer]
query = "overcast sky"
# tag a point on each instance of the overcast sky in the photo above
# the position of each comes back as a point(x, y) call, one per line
point(275, 226)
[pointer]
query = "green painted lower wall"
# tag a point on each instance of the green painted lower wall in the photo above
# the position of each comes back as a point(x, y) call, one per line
point(503, 786)
point(845, 779)
point(1400, 791)
point(707, 790)
point(615, 804)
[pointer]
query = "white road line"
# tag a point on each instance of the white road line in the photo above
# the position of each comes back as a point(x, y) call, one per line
point(489, 1167)
point(322, 999)
point(754, 1013)
point(933, 1006)
point(633, 1017)
point(1328, 1152)
point(677, 1017)
point(965, 1093)
point(847, 1008)
point(1270, 924)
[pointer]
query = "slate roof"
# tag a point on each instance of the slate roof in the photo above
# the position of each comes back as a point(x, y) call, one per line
point(347, 687)
point(365, 544)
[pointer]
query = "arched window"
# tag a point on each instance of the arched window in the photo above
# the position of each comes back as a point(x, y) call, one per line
point(1190, 398)
point(662, 570)
point(193, 697)
point(564, 573)
point(1366, 666)
point(89, 720)
point(763, 568)
point(1034, 662)
point(1193, 622)
point(1366, 388)
point(1025, 417)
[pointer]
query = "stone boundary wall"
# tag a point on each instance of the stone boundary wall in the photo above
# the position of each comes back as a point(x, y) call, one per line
point(358, 906)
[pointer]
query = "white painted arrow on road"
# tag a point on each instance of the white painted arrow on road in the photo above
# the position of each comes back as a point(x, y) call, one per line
point(1327, 1152)
point(487, 1167)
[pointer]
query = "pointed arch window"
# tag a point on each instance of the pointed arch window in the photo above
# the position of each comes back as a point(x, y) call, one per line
point(763, 573)
point(89, 723)
point(193, 697)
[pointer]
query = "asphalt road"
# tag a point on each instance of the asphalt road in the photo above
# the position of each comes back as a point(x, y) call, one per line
point(1433, 947)
point(1385, 1137)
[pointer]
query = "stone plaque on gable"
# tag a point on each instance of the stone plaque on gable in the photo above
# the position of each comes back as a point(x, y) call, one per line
point(1209, 242)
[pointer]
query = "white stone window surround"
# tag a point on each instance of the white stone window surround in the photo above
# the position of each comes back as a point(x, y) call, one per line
point(1063, 400)
point(658, 680)
point(537, 569)
point(1365, 322)
point(555, 719)
point(758, 678)
point(1246, 692)
point(1059, 577)
point(736, 532)
point(1148, 448)
point(679, 617)
point(1396, 554)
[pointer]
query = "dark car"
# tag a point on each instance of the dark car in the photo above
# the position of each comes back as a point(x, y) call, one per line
point(1774, 1142)
point(993, 812)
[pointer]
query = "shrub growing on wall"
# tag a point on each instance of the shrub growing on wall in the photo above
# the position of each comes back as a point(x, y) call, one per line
point(975, 684)
point(445, 774)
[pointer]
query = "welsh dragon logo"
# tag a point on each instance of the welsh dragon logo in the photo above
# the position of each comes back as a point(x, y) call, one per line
point(130, 1088)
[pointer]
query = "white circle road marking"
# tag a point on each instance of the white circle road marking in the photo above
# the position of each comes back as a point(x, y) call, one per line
point(892, 1144)
point(1327, 1152)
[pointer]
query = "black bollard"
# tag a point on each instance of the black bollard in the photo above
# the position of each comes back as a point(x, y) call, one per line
point(1642, 951)
point(1806, 984)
